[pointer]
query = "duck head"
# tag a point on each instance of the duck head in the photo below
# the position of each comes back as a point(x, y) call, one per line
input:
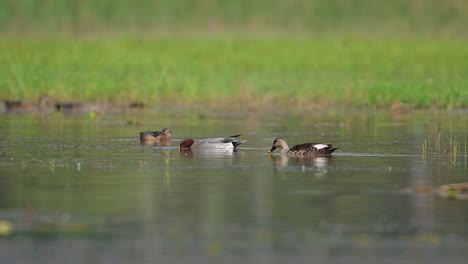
point(278, 143)
point(186, 143)
point(167, 132)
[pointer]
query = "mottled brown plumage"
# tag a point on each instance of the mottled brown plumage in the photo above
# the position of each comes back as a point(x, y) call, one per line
point(78, 108)
point(303, 150)
point(45, 104)
point(156, 136)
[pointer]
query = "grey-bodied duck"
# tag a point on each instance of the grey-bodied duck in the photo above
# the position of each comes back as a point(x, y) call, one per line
point(221, 143)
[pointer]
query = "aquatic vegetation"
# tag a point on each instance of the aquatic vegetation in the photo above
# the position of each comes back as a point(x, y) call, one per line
point(454, 191)
point(436, 146)
point(424, 150)
point(453, 148)
point(6, 228)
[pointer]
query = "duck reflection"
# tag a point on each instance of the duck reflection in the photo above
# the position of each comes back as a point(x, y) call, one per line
point(212, 148)
point(155, 144)
point(188, 153)
point(210, 158)
point(318, 165)
point(207, 153)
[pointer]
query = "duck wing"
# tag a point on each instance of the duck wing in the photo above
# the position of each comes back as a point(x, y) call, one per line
point(156, 133)
point(234, 140)
point(319, 148)
point(220, 143)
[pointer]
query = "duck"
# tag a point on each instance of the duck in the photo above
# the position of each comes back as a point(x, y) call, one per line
point(45, 104)
point(77, 108)
point(302, 150)
point(164, 135)
point(220, 143)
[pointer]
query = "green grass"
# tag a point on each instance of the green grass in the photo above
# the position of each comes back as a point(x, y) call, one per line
point(302, 53)
point(238, 72)
point(84, 16)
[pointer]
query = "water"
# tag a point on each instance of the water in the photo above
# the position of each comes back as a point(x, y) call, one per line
point(76, 189)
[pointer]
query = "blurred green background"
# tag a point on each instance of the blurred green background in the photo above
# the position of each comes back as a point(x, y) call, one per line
point(316, 16)
point(307, 54)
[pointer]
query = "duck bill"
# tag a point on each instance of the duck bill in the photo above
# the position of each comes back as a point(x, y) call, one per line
point(272, 149)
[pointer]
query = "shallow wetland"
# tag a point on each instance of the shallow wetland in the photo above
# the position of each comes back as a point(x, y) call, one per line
point(81, 188)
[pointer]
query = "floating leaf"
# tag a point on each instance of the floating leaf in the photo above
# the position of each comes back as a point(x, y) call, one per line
point(454, 191)
point(6, 228)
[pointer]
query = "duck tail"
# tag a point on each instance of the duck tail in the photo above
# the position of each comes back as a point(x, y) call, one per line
point(237, 143)
point(330, 150)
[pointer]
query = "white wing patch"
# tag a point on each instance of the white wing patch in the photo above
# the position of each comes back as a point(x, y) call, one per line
point(229, 146)
point(320, 146)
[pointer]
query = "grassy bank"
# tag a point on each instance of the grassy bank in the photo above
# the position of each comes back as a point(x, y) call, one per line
point(150, 16)
point(238, 72)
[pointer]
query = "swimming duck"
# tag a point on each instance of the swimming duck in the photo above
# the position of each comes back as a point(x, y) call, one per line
point(45, 104)
point(156, 136)
point(77, 108)
point(227, 143)
point(303, 150)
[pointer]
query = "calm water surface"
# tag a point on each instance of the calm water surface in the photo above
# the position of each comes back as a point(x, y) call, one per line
point(76, 189)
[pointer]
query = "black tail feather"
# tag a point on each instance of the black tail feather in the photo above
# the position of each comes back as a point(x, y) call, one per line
point(330, 150)
point(237, 143)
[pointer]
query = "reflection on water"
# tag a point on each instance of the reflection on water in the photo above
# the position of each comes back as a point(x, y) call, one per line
point(214, 153)
point(79, 190)
point(165, 143)
point(317, 165)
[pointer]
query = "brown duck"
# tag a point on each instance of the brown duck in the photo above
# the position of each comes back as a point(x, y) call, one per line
point(303, 150)
point(156, 136)
point(45, 104)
